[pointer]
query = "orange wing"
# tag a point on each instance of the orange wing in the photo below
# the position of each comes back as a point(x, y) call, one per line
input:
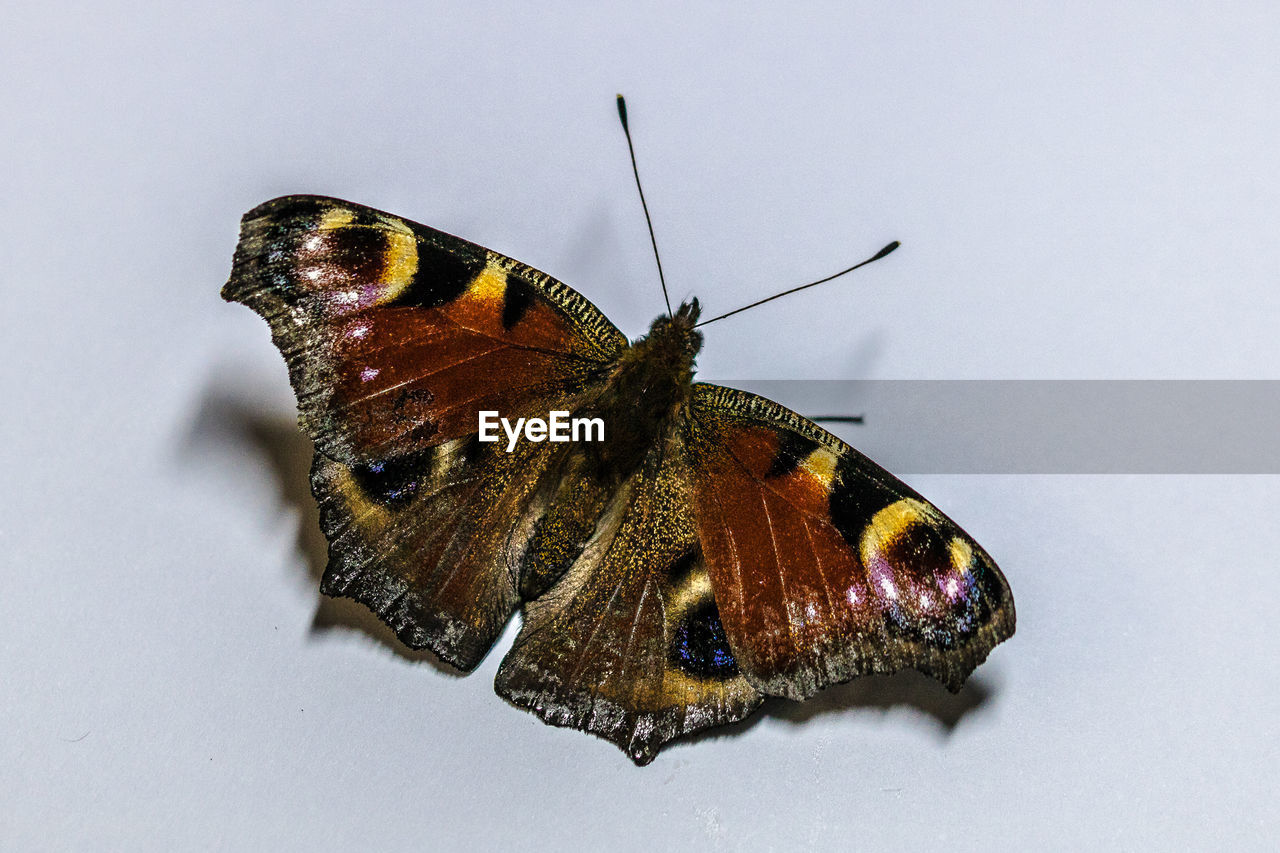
point(396, 334)
point(826, 567)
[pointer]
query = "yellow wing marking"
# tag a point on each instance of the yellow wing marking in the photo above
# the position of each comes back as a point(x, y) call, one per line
point(400, 262)
point(821, 465)
point(490, 285)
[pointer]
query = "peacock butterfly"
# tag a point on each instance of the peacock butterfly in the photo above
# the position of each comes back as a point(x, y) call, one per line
point(713, 549)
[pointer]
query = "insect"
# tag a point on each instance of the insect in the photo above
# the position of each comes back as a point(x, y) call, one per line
point(713, 548)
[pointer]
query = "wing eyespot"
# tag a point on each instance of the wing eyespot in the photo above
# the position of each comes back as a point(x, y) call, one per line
point(699, 645)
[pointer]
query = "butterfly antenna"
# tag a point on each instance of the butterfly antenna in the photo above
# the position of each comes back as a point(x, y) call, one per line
point(877, 256)
point(622, 114)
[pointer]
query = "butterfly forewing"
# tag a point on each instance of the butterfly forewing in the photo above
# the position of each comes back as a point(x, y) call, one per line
point(397, 335)
point(826, 567)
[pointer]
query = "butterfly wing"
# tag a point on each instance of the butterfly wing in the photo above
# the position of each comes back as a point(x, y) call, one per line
point(826, 567)
point(435, 542)
point(396, 336)
point(628, 644)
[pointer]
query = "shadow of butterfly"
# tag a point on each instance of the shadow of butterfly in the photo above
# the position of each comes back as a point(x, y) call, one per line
point(713, 549)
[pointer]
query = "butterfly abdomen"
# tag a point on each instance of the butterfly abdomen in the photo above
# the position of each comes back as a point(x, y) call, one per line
point(639, 403)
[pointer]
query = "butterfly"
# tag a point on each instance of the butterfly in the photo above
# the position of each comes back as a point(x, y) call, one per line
point(713, 549)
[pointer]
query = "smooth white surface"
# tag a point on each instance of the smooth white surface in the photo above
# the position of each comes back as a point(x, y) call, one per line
point(1079, 195)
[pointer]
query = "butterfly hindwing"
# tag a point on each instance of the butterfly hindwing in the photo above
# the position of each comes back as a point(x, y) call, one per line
point(826, 567)
point(396, 334)
point(434, 542)
point(628, 644)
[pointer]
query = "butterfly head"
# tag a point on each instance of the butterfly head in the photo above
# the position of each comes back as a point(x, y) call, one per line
point(673, 339)
point(688, 313)
point(655, 374)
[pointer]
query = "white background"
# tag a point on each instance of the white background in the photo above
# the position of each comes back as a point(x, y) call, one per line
point(1079, 195)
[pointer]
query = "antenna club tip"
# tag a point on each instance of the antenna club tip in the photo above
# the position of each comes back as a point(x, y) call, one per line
point(622, 110)
point(886, 250)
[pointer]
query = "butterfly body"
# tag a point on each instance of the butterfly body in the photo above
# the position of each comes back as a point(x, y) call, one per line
point(646, 392)
point(712, 549)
